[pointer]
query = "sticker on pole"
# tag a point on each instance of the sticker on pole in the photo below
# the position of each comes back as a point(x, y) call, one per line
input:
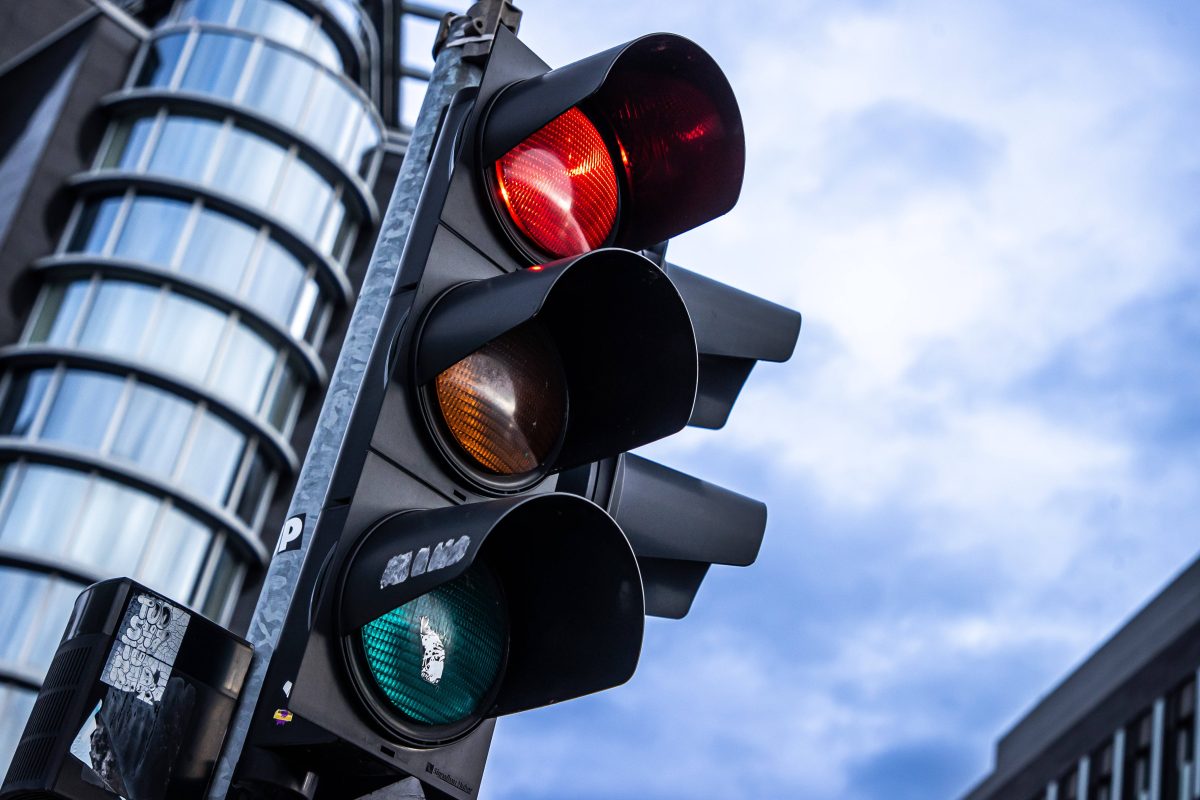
point(290, 538)
point(142, 657)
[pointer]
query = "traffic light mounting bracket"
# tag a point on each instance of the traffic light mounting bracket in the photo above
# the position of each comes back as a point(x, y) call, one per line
point(475, 31)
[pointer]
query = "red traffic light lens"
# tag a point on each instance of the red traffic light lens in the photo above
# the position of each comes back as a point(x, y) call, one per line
point(505, 404)
point(559, 186)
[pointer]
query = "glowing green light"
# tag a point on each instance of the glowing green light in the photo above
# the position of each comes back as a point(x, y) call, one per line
point(436, 657)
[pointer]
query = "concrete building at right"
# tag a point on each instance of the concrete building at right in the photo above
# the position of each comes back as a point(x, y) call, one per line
point(1122, 726)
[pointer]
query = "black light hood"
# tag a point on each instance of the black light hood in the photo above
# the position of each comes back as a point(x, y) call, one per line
point(568, 574)
point(622, 331)
point(673, 114)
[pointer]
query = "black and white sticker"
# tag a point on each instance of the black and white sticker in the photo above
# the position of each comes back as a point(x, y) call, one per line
point(290, 537)
point(433, 653)
point(401, 567)
point(144, 654)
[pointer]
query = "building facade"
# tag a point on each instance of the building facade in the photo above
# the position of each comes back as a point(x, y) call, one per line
point(192, 193)
point(1123, 725)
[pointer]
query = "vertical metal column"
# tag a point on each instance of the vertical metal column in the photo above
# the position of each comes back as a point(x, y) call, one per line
point(1156, 748)
point(1118, 773)
point(450, 74)
point(1195, 788)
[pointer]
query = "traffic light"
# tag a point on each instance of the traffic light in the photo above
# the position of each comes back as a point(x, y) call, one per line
point(488, 545)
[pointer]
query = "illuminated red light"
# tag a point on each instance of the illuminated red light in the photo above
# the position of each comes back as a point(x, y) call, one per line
point(559, 186)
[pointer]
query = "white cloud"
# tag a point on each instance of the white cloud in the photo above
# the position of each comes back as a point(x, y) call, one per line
point(927, 310)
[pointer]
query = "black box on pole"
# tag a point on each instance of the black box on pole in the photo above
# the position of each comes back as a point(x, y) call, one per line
point(135, 705)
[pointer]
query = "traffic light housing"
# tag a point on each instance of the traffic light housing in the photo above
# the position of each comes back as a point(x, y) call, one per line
point(487, 546)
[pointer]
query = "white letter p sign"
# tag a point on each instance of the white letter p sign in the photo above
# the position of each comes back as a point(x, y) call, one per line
point(289, 537)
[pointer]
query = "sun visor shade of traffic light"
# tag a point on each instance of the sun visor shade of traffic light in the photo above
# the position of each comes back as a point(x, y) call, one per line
point(734, 331)
point(600, 345)
point(513, 603)
point(627, 148)
point(677, 524)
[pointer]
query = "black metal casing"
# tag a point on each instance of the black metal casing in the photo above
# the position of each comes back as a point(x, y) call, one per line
point(156, 682)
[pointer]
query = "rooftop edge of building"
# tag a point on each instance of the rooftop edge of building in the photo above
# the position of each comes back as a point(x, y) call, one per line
point(1133, 667)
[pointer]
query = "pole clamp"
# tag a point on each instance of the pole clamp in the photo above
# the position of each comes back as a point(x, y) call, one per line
point(475, 31)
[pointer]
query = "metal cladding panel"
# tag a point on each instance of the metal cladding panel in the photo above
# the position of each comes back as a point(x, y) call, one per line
point(50, 131)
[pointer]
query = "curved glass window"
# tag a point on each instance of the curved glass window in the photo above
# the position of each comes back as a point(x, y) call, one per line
point(185, 338)
point(278, 83)
point(184, 148)
point(16, 703)
point(213, 460)
point(158, 67)
point(152, 430)
point(58, 312)
point(176, 554)
point(179, 335)
point(151, 230)
point(34, 608)
point(23, 401)
point(127, 144)
point(81, 408)
point(160, 433)
point(250, 169)
point(256, 170)
point(219, 250)
point(274, 19)
point(113, 532)
point(245, 370)
point(306, 195)
point(116, 320)
point(346, 12)
point(101, 523)
point(94, 226)
point(113, 529)
point(257, 487)
point(226, 578)
point(209, 247)
point(323, 50)
point(275, 283)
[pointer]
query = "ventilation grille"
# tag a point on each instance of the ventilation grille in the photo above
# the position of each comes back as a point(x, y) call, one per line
point(33, 757)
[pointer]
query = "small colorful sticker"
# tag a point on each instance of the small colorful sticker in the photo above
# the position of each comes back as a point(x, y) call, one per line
point(282, 716)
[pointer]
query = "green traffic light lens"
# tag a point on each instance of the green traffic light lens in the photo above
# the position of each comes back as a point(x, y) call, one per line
point(436, 658)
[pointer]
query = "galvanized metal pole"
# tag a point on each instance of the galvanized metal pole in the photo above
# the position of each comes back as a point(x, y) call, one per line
point(450, 74)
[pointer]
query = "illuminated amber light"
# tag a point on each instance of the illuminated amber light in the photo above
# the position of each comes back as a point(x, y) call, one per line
point(559, 186)
point(505, 404)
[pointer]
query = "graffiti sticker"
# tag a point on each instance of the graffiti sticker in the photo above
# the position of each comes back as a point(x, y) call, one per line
point(141, 659)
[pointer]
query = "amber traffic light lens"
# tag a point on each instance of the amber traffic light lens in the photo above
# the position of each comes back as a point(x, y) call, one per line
point(505, 404)
point(559, 186)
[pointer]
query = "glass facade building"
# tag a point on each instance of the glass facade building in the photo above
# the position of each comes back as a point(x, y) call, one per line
point(184, 323)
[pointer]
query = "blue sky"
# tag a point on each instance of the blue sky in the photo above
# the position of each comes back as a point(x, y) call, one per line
point(983, 456)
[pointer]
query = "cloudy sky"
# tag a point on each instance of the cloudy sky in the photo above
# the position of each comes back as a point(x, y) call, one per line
point(983, 456)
